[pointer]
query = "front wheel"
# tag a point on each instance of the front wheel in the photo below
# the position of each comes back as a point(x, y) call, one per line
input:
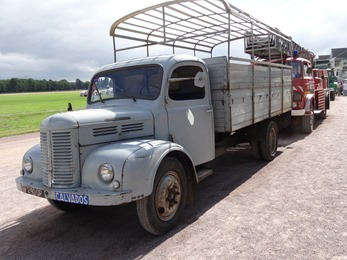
point(307, 123)
point(161, 211)
point(332, 95)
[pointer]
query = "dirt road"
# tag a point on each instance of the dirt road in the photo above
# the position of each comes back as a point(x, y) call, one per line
point(294, 207)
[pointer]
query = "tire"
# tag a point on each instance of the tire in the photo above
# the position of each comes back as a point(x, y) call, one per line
point(332, 95)
point(323, 115)
point(268, 146)
point(161, 211)
point(307, 123)
point(64, 206)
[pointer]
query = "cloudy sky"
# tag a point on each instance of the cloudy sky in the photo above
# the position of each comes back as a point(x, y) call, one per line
point(69, 39)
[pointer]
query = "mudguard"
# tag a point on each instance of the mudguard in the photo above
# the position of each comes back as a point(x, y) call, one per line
point(35, 154)
point(308, 105)
point(135, 164)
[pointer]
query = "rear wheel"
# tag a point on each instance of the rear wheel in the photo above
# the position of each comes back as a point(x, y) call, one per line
point(161, 211)
point(323, 115)
point(268, 146)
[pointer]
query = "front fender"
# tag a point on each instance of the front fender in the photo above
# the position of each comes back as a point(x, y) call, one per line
point(35, 154)
point(141, 166)
point(135, 164)
point(309, 102)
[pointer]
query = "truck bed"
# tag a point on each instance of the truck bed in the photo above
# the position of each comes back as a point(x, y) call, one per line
point(245, 93)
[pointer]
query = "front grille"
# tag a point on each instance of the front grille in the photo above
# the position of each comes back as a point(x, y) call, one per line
point(297, 96)
point(62, 159)
point(57, 159)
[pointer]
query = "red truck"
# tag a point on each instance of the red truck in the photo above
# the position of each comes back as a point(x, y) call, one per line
point(310, 90)
point(322, 90)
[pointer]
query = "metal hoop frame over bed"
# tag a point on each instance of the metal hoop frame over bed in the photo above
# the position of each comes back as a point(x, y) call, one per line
point(198, 26)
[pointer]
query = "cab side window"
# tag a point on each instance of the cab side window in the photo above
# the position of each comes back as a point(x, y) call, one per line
point(184, 89)
point(306, 71)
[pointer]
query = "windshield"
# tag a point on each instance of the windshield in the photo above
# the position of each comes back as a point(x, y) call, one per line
point(132, 83)
point(296, 70)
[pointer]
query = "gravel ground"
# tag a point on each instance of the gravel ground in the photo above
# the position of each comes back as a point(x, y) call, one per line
point(294, 207)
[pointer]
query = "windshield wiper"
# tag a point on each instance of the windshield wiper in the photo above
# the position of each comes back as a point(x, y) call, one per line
point(97, 91)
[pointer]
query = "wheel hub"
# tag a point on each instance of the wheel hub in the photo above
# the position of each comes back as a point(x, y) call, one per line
point(168, 196)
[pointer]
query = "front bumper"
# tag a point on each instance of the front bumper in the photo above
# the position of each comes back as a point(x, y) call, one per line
point(80, 195)
point(298, 112)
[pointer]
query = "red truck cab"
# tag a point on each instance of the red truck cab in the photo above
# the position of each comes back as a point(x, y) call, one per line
point(303, 84)
point(310, 92)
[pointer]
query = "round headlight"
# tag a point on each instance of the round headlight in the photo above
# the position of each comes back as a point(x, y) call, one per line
point(28, 164)
point(106, 172)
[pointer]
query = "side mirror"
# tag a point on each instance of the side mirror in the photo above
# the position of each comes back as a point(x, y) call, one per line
point(309, 70)
point(200, 79)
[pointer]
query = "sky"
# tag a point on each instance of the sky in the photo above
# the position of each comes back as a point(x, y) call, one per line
point(69, 39)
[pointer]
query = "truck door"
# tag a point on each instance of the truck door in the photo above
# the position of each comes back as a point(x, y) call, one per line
point(190, 114)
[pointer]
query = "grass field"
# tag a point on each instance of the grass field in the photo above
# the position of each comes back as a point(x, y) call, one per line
point(23, 113)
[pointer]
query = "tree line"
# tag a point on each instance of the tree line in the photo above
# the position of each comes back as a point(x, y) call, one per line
point(18, 85)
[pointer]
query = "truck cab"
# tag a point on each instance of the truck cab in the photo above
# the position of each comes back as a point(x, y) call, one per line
point(303, 84)
point(166, 87)
point(138, 113)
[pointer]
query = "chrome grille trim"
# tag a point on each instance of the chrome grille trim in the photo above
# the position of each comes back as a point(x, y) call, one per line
point(62, 161)
point(45, 161)
point(57, 159)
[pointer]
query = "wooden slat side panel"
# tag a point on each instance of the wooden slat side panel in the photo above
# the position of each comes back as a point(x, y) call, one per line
point(217, 68)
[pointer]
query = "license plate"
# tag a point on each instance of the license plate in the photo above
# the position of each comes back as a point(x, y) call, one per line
point(72, 198)
point(33, 191)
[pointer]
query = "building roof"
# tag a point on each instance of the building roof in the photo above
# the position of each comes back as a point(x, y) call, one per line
point(339, 53)
point(323, 57)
